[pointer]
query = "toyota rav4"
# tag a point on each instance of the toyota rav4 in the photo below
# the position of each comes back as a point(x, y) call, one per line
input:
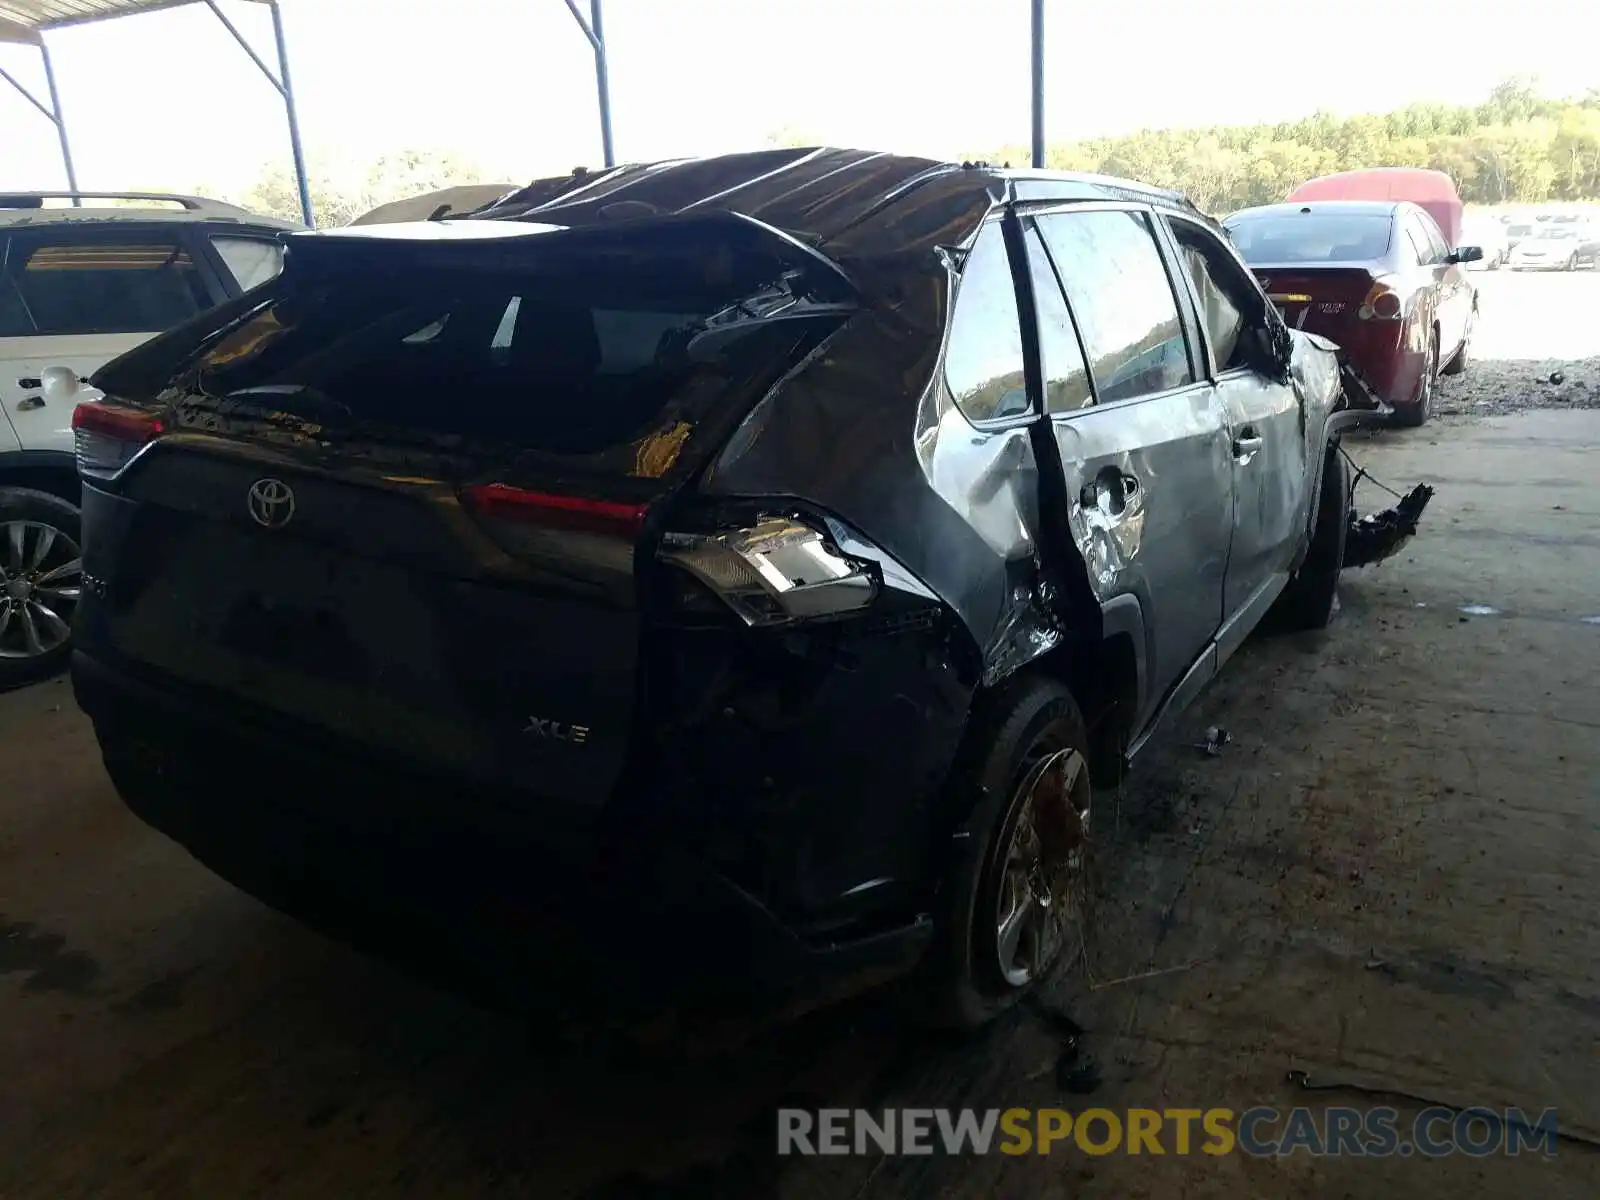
point(773, 548)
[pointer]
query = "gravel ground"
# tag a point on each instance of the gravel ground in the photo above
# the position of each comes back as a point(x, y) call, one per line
point(1533, 328)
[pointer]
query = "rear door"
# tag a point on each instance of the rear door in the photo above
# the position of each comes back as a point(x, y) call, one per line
point(1454, 289)
point(1142, 436)
point(400, 502)
point(76, 296)
point(1267, 435)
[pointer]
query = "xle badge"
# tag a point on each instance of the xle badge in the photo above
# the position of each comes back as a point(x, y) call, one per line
point(557, 731)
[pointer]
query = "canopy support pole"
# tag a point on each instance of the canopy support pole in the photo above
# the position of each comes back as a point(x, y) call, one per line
point(59, 120)
point(285, 88)
point(594, 30)
point(52, 113)
point(1038, 84)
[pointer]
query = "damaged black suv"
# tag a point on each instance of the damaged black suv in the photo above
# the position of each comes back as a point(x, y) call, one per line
point(755, 558)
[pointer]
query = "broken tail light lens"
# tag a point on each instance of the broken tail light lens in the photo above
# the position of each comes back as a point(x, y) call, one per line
point(1382, 303)
point(106, 436)
point(774, 572)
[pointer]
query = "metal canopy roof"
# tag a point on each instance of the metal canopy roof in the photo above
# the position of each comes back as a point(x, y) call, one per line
point(23, 20)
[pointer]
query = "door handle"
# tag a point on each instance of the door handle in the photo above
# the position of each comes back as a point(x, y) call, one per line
point(1246, 443)
point(29, 403)
point(30, 381)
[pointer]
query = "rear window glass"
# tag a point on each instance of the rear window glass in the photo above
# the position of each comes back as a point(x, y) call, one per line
point(1311, 237)
point(56, 286)
point(575, 368)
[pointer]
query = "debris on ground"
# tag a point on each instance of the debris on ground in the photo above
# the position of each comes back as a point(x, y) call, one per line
point(1491, 387)
point(1077, 1073)
point(1377, 536)
point(1216, 738)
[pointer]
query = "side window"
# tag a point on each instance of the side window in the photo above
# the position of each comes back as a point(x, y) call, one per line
point(1439, 247)
point(1120, 293)
point(1066, 375)
point(1419, 242)
point(983, 362)
point(1228, 300)
point(252, 260)
point(58, 283)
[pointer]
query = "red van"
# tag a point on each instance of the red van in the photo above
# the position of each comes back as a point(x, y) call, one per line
point(1432, 191)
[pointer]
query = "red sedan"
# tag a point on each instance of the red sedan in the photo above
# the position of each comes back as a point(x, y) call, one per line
point(1378, 278)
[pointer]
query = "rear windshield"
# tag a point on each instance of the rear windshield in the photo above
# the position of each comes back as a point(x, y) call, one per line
point(1311, 237)
point(568, 366)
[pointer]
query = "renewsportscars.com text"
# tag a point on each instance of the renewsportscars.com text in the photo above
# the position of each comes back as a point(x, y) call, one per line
point(1260, 1132)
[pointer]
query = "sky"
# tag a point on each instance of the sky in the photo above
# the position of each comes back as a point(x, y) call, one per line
point(168, 100)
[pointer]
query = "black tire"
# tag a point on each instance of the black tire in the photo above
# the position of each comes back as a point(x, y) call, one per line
point(1417, 413)
point(1459, 363)
point(39, 515)
point(1014, 731)
point(1307, 602)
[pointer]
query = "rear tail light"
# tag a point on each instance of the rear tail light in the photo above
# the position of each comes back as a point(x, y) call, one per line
point(106, 436)
point(774, 572)
point(1382, 303)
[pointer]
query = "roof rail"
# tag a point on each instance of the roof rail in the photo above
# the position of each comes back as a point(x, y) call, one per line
point(198, 204)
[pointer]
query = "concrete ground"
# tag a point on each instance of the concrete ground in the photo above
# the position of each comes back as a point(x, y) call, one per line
point(1388, 879)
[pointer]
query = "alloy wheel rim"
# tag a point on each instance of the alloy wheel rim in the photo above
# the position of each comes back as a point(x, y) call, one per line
point(41, 579)
point(1043, 880)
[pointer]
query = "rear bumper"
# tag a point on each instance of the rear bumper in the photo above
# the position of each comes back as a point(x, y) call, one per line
point(379, 859)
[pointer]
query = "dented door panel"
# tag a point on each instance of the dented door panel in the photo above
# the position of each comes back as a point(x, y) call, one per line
point(1266, 422)
point(1166, 541)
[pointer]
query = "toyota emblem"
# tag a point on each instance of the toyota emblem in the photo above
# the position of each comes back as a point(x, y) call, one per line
point(271, 503)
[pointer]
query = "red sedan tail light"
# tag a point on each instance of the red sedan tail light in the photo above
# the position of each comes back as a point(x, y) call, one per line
point(1382, 303)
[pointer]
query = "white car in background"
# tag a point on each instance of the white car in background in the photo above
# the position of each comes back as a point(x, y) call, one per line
point(85, 277)
point(1557, 245)
point(1491, 236)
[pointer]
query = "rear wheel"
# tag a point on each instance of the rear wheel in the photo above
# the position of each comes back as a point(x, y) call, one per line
point(1017, 902)
point(1458, 364)
point(1420, 409)
point(41, 572)
point(1307, 602)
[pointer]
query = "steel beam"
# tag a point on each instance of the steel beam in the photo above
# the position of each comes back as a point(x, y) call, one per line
point(1038, 83)
point(594, 30)
point(285, 88)
point(51, 112)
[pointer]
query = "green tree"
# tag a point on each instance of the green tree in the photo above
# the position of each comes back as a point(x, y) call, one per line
point(1517, 145)
point(341, 192)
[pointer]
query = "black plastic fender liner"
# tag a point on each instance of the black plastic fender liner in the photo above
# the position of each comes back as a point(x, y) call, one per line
point(1379, 536)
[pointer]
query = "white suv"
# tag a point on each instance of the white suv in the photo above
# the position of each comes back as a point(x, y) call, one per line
point(84, 277)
